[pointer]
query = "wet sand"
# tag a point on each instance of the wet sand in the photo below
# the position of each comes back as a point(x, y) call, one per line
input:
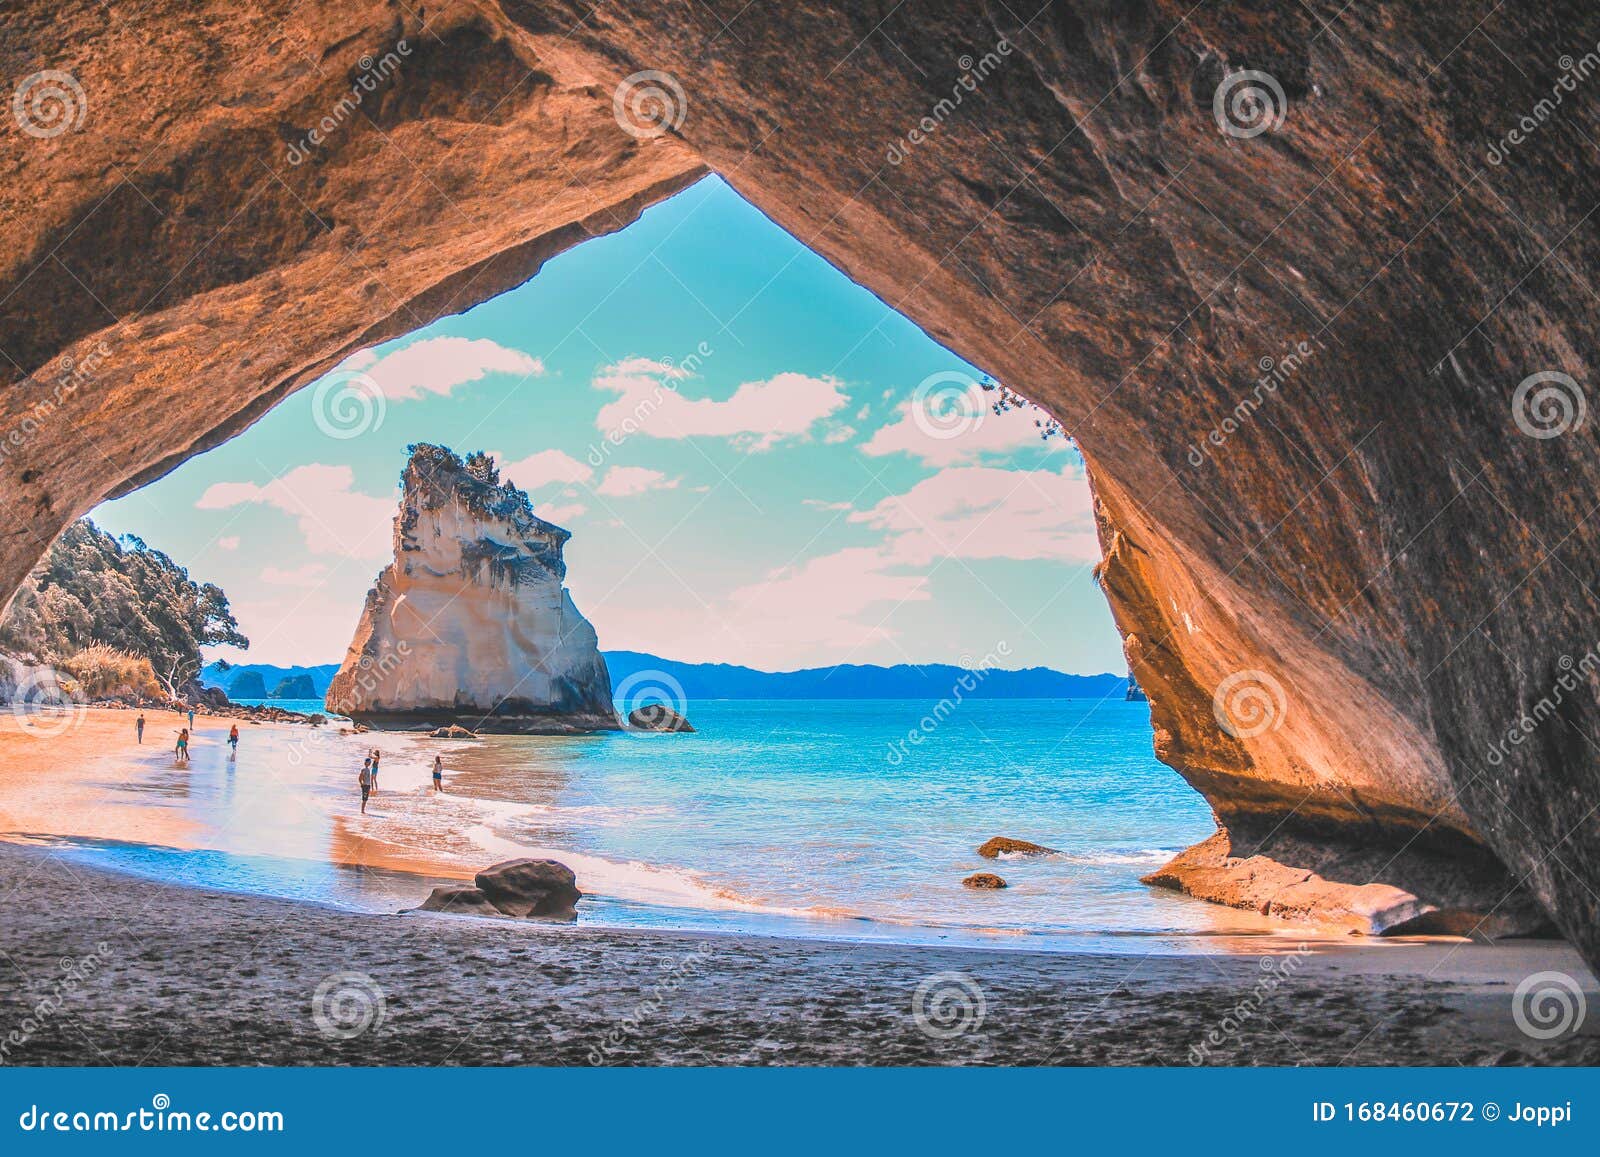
point(98, 967)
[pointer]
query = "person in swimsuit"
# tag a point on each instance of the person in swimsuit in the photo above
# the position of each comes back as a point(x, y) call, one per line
point(233, 741)
point(376, 755)
point(138, 727)
point(181, 752)
point(365, 780)
point(191, 717)
point(438, 773)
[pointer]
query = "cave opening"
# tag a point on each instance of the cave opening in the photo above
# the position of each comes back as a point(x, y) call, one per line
point(797, 519)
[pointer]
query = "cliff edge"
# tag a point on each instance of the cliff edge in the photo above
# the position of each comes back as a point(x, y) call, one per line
point(470, 623)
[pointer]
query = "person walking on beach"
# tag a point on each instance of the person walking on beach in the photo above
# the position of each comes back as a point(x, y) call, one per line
point(438, 773)
point(138, 727)
point(365, 780)
point(233, 741)
point(373, 759)
point(191, 718)
point(181, 751)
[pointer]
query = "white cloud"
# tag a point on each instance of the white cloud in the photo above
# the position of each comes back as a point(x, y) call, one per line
point(228, 542)
point(981, 512)
point(821, 505)
point(761, 413)
point(624, 481)
point(437, 365)
point(972, 430)
point(561, 514)
point(545, 468)
point(333, 518)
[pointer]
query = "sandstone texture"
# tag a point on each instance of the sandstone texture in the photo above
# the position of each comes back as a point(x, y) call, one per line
point(545, 889)
point(459, 900)
point(471, 623)
point(1371, 546)
point(1373, 891)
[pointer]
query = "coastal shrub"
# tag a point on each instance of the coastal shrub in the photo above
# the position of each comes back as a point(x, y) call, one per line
point(101, 670)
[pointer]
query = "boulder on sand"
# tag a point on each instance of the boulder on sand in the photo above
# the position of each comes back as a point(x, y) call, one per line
point(657, 717)
point(986, 880)
point(542, 888)
point(1004, 845)
point(459, 899)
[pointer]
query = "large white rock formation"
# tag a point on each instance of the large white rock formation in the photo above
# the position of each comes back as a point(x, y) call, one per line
point(471, 623)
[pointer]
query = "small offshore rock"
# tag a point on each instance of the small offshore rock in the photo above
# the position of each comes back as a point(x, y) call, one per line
point(1004, 845)
point(657, 717)
point(984, 880)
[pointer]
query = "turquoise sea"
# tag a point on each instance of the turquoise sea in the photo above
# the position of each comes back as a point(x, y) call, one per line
point(783, 817)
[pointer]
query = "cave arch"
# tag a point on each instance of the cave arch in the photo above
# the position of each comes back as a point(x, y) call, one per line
point(1377, 536)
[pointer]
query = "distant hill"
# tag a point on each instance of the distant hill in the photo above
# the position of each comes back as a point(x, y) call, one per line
point(726, 681)
point(253, 680)
point(851, 681)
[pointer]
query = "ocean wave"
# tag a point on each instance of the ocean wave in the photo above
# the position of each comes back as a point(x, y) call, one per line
point(1103, 857)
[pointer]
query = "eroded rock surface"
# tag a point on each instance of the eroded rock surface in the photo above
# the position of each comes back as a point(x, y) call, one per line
point(471, 624)
point(1372, 540)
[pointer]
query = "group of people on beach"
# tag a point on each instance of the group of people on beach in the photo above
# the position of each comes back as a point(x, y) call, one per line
point(367, 781)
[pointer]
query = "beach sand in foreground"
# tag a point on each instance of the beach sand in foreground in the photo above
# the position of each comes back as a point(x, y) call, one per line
point(101, 968)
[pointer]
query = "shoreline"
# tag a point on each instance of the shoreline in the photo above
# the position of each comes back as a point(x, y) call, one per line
point(166, 974)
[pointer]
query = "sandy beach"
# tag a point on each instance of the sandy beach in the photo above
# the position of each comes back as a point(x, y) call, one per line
point(102, 967)
point(185, 976)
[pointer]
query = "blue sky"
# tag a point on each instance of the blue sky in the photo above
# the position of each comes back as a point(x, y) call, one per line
point(760, 463)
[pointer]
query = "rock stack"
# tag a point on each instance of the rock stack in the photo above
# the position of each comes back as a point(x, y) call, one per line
point(470, 625)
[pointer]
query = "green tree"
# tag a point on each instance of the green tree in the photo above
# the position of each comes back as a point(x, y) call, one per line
point(92, 589)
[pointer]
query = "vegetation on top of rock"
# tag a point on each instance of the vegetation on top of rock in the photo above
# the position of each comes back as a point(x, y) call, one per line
point(92, 590)
point(436, 475)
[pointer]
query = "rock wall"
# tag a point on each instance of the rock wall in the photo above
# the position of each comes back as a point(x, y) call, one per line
point(471, 624)
point(1291, 335)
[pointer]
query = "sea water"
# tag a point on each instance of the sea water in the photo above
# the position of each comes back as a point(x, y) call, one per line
point(855, 818)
